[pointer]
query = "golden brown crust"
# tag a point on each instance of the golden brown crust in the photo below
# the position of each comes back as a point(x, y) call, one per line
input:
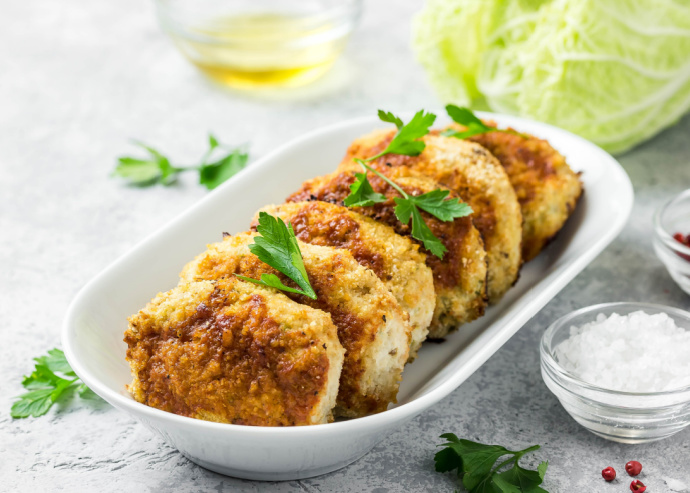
point(395, 259)
point(235, 353)
point(546, 187)
point(220, 349)
point(372, 327)
point(325, 224)
point(476, 176)
point(459, 278)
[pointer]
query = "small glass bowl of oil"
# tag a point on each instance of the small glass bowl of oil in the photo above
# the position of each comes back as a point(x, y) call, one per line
point(260, 43)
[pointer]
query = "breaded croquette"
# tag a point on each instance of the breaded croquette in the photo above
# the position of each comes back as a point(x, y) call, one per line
point(233, 352)
point(546, 187)
point(474, 175)
point(459, 278)
point(395, 259)
point(372, 327)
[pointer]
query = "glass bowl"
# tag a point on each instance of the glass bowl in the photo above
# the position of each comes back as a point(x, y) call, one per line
point(674, 217)
point(260, 43)
point(626, 417)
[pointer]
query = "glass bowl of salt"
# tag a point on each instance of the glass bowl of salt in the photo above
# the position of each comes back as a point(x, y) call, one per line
point(621, 370)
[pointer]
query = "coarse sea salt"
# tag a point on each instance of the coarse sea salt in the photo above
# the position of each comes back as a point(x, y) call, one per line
point(631, 353)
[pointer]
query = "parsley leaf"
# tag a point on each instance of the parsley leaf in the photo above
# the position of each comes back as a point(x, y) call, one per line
point(406, 209)
point(388, 117)
point(421, 231)
point(272, 281)
point(35, 403)
point(446, 460)
point(55, 361)
point(474, 125)
point(46, 387)
point(363, 194)
point(213, 174)
point(476, 465)
point(523, 479)
point(277, 246)
point(435, 203)
point(405, 140)
point(157, 169)
point(463, 116)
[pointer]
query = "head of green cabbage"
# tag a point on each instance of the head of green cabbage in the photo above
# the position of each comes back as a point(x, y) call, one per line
point(613, 71)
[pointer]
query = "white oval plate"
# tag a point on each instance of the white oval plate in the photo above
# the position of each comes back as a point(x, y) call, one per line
point(96, 320)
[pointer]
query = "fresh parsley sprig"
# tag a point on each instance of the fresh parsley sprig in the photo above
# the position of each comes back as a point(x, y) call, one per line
point(476, 466)
point(52, 380)
point(407, 208)
point(157, 169)
point(405, 140)
point(362, 194)
point(277, 246)
point(466, 118)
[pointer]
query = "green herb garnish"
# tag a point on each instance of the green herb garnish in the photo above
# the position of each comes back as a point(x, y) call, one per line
point(476, 466)
point(361, 192)
point(408, 207)
point(46, 387)
point(405, 140)
point(388, 117)
point(277, 246)
point(466, 118)
point(157, 169)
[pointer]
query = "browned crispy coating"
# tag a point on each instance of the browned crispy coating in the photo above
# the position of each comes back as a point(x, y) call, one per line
point(372, 327)
point(233, 352)
point(476, 176)
point(225, 350)
point(546, 187)
point(459, 278)
point(395, 259)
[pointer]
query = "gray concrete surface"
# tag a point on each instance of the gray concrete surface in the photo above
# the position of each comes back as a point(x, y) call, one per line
point(79, 79)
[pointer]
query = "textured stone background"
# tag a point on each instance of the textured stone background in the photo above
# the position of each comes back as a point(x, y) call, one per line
point(79, 79)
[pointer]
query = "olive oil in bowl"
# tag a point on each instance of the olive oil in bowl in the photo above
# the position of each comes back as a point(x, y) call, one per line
point(250, 50)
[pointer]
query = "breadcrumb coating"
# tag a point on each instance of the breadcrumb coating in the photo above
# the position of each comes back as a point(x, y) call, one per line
point(372, 327)
point(459, 278)
point(395, 259)
point(233, 352)
point(547, 188)
point(474, 175)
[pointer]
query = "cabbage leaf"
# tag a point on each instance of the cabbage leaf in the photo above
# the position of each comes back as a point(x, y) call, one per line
point(613, 71)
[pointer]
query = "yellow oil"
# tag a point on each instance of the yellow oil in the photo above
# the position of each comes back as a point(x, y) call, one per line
point(259, 50)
